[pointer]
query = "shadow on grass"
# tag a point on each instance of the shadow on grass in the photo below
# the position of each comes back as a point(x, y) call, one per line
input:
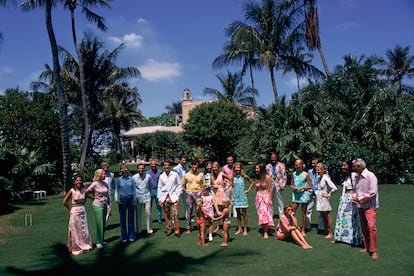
point(112, 226)
point(114, 261)
point(8, 209)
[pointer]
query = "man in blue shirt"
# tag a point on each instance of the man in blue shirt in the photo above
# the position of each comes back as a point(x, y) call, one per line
point(181, 169)
point(126, 198)
point(155, 175)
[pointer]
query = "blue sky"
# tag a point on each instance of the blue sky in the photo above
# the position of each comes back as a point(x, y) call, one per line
point(173, 43)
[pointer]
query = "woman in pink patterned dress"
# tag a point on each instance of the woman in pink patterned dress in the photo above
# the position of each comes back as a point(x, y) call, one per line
point(79, 240)
point(264, 199)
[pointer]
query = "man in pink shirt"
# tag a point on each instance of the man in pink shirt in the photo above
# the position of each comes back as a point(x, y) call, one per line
point(366, 197)
point(228, 170)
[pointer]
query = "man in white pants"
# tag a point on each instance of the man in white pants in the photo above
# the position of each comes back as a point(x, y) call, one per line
point(143, 190)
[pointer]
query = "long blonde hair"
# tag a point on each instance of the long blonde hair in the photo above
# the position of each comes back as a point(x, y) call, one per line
point(97, 175)
point(199, 206)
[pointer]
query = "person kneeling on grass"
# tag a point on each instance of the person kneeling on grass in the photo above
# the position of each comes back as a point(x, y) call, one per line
point(288, 229)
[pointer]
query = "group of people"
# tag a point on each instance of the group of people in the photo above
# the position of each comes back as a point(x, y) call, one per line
point(215, 193)
point(132, 194)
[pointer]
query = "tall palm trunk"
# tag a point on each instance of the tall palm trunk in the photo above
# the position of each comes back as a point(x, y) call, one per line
point(84, 96)
point(325, 65)
point(312, 31)
point(63, 120)
point(252, 81)
point(272, 78)
point(298, 82)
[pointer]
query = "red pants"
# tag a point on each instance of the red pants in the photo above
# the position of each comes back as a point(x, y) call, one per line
point(369, 228)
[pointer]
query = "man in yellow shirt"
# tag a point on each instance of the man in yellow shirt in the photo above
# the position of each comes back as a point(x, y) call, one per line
point(192, 184)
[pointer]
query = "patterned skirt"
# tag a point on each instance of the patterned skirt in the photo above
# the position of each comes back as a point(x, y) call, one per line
point(264, 209)
point(347, 226)
point(78, 234)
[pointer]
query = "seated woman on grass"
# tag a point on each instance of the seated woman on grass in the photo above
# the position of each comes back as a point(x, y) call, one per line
point(288, 229)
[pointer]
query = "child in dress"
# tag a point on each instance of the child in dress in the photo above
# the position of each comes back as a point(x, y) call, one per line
point(210, 207)
point(240, 196)
point(79, 240)
point(202, 216)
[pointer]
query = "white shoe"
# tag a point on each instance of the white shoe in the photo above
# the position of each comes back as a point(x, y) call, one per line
point(99, 245)
point(210, 238)
point(76, 253)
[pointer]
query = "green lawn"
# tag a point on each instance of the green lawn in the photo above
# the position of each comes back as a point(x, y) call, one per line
point(40, 249)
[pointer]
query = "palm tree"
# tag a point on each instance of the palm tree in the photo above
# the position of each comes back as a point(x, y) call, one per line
point(233, 90)
point(174, 109)
point(312, 30)
point(241, 52)
point(298, 63)
point(273, 28)
point(400, 64)
point(120, 109)
point(29, 166)
point(99, 21)
point(103, 75)
point(29, 5)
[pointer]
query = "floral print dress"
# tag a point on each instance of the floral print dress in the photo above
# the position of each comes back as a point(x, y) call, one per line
point(347, 226)
point(78, 235)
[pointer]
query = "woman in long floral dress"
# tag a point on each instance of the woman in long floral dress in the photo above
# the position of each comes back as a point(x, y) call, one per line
point(79, 240)
point(347, 226)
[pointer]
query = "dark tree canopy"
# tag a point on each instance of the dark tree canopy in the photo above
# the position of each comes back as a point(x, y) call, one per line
point(216, 127)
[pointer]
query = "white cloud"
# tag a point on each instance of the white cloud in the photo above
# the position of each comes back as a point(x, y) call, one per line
point(154, 70)
point(346, 26)
point(293, 82)
point(142, 21)
point(6, 70)
point(130, 40)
